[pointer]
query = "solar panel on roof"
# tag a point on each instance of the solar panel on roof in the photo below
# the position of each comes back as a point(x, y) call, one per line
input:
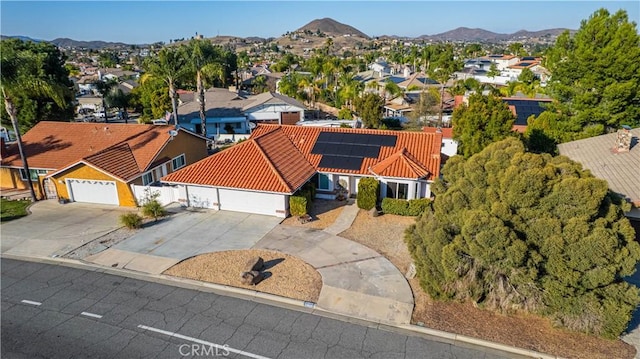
point(525, 64)
point(528, 58)
point(341, 162)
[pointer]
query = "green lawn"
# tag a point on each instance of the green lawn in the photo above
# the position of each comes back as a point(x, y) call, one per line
point(12, 209)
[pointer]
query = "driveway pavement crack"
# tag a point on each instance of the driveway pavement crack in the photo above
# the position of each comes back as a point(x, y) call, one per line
point(348, 262)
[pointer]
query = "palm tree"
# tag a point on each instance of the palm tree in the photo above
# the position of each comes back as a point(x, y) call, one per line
point(170, 65)
point(21, 75)
point(206, 62)
point(103, 88)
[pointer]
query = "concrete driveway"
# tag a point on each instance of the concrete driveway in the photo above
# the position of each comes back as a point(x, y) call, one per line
point(54, 229)
point(185, 234)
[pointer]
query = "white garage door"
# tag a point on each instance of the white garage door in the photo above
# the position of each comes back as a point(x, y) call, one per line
point(251, 202)
point(104, 192)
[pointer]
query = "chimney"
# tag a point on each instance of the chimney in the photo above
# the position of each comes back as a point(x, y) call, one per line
point(623, 140)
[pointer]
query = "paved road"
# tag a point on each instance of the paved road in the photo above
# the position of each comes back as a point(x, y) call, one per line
point(52, 311)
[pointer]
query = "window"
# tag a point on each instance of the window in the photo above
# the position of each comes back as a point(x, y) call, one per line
point(397, 190)
point(238, 125)
point(34, 174)
point(147, 178)
point(323, 181)
point(178, 162)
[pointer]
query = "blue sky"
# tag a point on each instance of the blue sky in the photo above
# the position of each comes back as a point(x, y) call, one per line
point(151, 21)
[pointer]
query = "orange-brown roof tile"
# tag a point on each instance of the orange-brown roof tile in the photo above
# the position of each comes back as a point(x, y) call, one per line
point(118, 161)
point(424, 147)
point(267, 162)
point(447, 132)
point(57, 145)
point(400, 162)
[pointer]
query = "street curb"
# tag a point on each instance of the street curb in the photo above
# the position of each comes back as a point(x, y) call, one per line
point(293, 304)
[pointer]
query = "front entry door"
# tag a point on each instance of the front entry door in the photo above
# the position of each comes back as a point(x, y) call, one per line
point(50, 189)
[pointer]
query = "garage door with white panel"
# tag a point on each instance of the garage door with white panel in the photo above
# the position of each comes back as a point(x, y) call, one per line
point(202, 197)
point(251, 202)
point(93, 191)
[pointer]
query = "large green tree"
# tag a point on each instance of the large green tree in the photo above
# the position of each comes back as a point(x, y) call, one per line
point(48, 66)
point(595, 78)
point(486, 119)
point(27, 77)
point(516, 230)
point(369, 107)
point(151, 98)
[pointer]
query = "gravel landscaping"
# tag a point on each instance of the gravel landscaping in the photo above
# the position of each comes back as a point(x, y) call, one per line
point(323, 212)
point(287, 276)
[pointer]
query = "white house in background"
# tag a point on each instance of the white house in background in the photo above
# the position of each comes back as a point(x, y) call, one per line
point(229, 113)
point(381, 67)
point(269, 107)
point(260, 174)
point(502, 61)
point(449, 145)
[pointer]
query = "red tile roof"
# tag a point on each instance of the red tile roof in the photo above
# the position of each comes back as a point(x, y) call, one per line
point(117, 160)
point(278, 159)
point(447, 132)
point(112, 147)
point(424, 147)
point(267, 162)
point(400, 162)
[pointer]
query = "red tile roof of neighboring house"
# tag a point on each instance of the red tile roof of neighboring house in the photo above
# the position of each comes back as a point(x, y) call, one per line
point(267, 162)
point(447, 132)
point(111, 147)
point(424, 147)
point(117, 160)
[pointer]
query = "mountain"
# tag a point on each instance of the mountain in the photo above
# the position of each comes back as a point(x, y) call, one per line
point(467, 34)
point(70, 43)
point(23, 38)
point(332, 27)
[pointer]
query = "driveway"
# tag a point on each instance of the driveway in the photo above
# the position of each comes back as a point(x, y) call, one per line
point(183, 235)
point(54, 229)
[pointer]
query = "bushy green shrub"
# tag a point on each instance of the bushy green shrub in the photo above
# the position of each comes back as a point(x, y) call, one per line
point(153, 209)
point(298, 205)
point(418, 206)
point(368, 189)
point(513, 230)
point(309, 191)
point(131, 220)
point(412, 207)
point(395, 206)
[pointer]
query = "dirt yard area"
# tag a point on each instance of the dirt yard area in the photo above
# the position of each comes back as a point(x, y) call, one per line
point(385, 235)
point(286, 275)
point(324, 212)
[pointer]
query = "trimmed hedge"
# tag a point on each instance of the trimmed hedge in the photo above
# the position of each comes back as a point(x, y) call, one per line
point(413, 207)
point(298, 205)
point(368, 189)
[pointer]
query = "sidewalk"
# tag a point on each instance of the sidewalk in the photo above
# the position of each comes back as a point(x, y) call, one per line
point(345, 220)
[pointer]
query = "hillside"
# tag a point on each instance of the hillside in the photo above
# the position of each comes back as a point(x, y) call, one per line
point(70, 43)
point(332, 27)
point(468, 34)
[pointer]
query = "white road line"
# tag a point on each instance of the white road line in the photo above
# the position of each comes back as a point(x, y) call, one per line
point(203, 342)
point(30, 302)
point(91, 315)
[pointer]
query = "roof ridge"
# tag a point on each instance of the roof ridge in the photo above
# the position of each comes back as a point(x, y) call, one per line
point(269, 163)
point(408, 158)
